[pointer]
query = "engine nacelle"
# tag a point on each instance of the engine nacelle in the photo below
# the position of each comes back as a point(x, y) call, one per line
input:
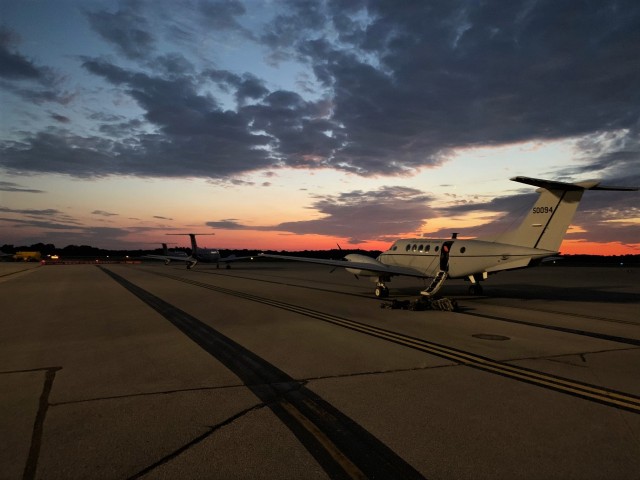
point(355, 257)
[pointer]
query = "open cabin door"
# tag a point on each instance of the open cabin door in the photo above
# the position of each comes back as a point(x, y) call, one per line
point(444, 256)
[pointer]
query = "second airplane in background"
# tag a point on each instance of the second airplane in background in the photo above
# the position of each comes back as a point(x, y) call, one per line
point(204, 255)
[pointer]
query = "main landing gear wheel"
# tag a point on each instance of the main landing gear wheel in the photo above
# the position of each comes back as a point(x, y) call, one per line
point(475, 289)
point(382, 292)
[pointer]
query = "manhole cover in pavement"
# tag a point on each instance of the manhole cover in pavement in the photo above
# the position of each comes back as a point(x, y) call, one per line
point(490, 336)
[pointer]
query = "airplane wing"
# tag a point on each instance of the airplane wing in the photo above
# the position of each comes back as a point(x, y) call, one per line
point(175, 258)
point(233, 258)
point(366, 265)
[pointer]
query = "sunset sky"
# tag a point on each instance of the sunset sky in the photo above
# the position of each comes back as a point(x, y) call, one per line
point(296, 125)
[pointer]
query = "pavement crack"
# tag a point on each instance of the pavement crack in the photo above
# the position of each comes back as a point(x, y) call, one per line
point(210, 431)
point(146, 394)
point(563, 355)
point(378, 372)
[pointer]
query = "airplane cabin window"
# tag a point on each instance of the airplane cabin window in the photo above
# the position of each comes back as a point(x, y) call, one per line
point(408, 247)
point(437, 248)
point(420, 248)
point(413, 249)
point(463, 249)
point(428, 248)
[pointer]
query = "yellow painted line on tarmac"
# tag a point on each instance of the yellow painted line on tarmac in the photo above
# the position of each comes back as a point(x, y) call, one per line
point(347, 465)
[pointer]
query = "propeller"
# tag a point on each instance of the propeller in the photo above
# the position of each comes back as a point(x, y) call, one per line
point(339, 248)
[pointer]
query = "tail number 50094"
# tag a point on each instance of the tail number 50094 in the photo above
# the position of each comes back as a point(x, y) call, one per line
point(542, 209)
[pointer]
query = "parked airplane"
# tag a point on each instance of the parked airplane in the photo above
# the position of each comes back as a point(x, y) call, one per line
point(198, 254)
point(169, 255)
point(538, 237)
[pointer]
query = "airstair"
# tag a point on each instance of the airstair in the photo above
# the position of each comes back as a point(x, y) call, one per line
point(435, 285)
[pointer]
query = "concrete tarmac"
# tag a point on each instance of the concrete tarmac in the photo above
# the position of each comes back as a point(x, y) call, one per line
point(285, 370)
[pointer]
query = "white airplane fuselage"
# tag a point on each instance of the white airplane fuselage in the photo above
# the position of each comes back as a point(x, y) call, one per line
point(460, 258)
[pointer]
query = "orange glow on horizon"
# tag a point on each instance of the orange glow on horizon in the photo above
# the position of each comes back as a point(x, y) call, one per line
point(582, 247)
point(281, 241)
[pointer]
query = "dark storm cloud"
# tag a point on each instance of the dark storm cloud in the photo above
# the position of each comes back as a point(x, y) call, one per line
point(127, 29)
point(13, 65)
point(23, 77)
point(401, 87)
point(60, 118)
point(172, 65)
point(246, 86)
point(196, 137)
point(391, 210)
point(424, 77)
point(61, 152)
point(222, 15)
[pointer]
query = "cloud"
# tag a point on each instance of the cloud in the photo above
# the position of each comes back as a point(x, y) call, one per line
point(222, 16)
point(387, 89)
point(43, 224)
point(126, 29)
point(102, 213)
point(15, 66)
point(14, 187)
point(410, 83)
point(60, 118)
point(32, 212)
point(23, 77)
point(389, 211)
point(40, 217)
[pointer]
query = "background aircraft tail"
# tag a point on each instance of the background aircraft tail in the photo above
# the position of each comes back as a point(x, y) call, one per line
point(547, 222)
point(192, 236)
point(194, 244)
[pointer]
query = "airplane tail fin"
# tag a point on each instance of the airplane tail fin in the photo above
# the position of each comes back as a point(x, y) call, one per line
point(192, 236)
point(547, 222)
point(194, 244)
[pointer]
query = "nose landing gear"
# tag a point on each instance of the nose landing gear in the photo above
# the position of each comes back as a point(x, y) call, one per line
point(381, 289)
